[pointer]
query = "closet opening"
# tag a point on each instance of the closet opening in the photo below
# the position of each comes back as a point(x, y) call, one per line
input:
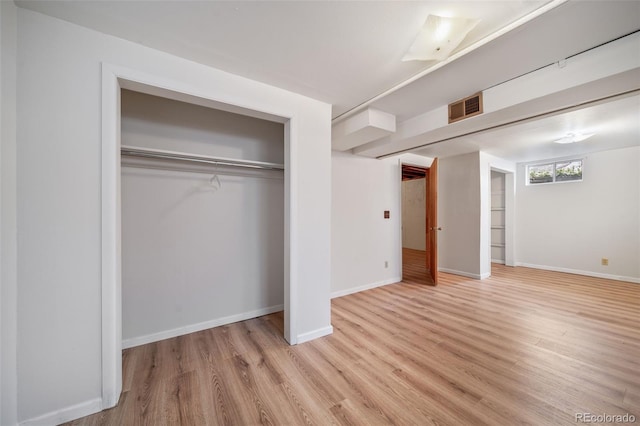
point(202, 208)
point(498, 218)
point(502, 241)
point(234, 100)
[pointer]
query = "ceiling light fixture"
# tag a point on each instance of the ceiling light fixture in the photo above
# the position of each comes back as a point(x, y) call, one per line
point(573, 137)
point(438, 37)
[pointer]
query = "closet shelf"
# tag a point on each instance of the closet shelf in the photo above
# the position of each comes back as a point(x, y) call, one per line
point(497, 245)
point(498, 227)
point(497, 209)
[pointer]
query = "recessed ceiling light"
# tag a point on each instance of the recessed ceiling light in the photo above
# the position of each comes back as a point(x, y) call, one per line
point(438, 37)
point(574, 137)
point(578, 137)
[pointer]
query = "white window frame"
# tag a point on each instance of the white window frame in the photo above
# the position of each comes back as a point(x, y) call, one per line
point(553, 163)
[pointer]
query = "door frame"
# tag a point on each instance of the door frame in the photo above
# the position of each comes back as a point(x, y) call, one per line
point(431, 195)
point(115, 78)
point(415, 161)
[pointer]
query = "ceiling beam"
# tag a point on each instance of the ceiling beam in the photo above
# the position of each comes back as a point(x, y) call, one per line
point(364, 127)
point(599, 73)
point(519, 22)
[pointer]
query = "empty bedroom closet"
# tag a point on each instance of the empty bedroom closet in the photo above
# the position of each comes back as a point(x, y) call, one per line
point(202, 217)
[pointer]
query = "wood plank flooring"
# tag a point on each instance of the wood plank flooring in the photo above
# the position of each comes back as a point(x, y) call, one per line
point(522, 347)
point(414, 267)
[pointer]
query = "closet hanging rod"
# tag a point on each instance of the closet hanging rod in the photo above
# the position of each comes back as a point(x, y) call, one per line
point(183, 156)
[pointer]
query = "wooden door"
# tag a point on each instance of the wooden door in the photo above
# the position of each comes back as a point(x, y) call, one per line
point(432, 221)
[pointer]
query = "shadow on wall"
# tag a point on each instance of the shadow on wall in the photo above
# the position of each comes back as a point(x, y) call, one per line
point(161, 123)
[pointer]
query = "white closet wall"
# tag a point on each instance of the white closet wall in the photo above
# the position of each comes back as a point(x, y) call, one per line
point(193, 255)
point(153, 122)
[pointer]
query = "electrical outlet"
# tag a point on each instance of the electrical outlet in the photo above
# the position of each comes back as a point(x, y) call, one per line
point(386, 263)
point(605, 261)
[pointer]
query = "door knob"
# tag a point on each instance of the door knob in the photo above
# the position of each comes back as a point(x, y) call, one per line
point(436, 229)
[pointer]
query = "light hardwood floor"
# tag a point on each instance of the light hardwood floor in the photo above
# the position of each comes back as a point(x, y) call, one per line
point(522, 347)
point(414, 267)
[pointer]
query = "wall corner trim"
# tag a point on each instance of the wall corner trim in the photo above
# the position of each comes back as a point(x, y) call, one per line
point(464, 274)
point(634, 280)
point(66, 414)
point(364, 287)
point(193, 328)
point(311, 335)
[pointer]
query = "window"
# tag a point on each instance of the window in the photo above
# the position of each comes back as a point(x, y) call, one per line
point(569, 170)
point(559, 171)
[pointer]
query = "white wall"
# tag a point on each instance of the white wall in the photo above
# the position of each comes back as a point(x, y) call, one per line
point(8, 247)
point(59, 202)
point(464, 212)
point(361, 239)
point(459, 214)
point(196, 255)
point(153, 122)
point(571, 226)
point(414, 210)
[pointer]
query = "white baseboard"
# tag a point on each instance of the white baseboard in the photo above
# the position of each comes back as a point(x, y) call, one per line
point(66, 414)
point(499, 261)
point(167, 334)
point(580, 272)
point(464, 274)
point(358, 289)
point(324, 331)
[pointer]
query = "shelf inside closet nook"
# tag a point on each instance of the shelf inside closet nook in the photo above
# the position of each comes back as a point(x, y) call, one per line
point(498, 217)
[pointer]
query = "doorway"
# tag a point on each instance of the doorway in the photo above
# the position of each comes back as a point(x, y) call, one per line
point(502, 221)
point(498, 218)
point(419, 224)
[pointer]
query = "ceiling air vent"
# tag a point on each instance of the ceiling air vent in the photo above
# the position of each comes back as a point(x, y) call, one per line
point(465, 108)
